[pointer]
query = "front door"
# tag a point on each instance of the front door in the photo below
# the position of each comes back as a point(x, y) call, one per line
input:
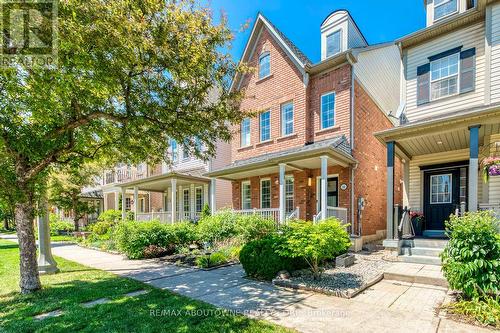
point(441, 196)
point(332, 191)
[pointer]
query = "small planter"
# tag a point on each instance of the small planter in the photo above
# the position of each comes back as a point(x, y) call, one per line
point(418, 225)
point(490, 167)
point(344, 260)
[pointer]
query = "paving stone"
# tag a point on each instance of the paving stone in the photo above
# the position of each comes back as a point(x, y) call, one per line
point(51, 314)
point(95, 302)
point(137, 293)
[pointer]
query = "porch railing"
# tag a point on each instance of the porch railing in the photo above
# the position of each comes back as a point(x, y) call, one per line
point(337, 212)
point(166, 217)
point(293, 215)
point(268, 213)
point(494, 207)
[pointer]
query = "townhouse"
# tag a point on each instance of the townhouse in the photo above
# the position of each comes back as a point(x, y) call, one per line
point(169, 192)
point(449, 115)
point(309, 152)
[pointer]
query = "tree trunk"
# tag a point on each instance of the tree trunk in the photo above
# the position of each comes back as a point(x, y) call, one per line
point(30, 280)
point(6, 223)
point(75, 215)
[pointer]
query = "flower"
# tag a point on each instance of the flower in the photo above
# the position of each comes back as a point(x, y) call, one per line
point(490, 166)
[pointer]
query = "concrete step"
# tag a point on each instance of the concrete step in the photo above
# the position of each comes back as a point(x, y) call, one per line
point(417, 259)
point(421, 251)
point(434, 233)
point(425, 242)
point(416, 273)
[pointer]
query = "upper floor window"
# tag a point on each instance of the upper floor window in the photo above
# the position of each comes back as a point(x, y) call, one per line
point(287, 119)
point(245, 132)
point(264, 65)
point(198, 144)
point(444, 76)
point(175, 150)
point(333, 43)
point(185, 150)
point(265, 126)
point(328, 110)
point(444, 8)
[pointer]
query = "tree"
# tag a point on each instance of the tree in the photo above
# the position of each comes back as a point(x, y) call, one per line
point(131, 74)
point(65, 189)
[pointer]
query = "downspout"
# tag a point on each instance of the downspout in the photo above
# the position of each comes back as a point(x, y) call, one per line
point(351, 141)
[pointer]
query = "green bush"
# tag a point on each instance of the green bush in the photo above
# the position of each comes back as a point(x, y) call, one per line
point(315, 242)
point(217, 227)
point(260, 259)
point(57, 225)
point(214, 259)
point(252, 227)
point(103, 228)
point(471, 259)
point(184, 233)
point(485, 311)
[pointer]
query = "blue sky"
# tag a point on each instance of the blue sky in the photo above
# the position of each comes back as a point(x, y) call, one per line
point(380, 21)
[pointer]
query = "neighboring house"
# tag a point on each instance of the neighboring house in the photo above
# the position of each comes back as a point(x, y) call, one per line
point(168, 192)
point(450, 114)
point(310, 152)
point(93, 196)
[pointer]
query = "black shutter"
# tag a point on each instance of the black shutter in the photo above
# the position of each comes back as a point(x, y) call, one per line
point(423, 84)
point(467, 70)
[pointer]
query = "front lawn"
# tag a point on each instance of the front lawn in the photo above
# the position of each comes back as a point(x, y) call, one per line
point(156, 311)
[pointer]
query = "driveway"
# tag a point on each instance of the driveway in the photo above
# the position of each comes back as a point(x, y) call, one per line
point(388, 306)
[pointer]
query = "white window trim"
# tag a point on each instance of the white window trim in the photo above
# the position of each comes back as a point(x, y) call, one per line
point(287, 177)
point(447, 15)
point(262, 55)
point(249, 133)
point(270, 192)
point(334, 109)
point(260, 126)
point(195, 198)
point(283, 125)
point(450, 190)
point(189, 200)
point(340, 32)
point(444, 78)
point(142, 202)
point(246, 182)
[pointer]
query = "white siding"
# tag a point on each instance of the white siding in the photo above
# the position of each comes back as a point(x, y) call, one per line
point(495, 53)
point(469, 37)
point(378, 70)
point(354, 37)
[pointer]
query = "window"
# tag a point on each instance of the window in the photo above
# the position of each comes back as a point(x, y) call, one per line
point(185, 153)
point(246, 198)
point(142, 205)
point(198, 144)
point(287, 119)
point(441, 189)
point(199, 199)
point(444, 76)
point(265, 126)
point(185, 200)
point(264, 65)
point(289, 194)
point(175, 151)
point(128, 203)
point(333, 43)
point(265, 193)
point(327, 110)
point(245, 132)
point(444, 8)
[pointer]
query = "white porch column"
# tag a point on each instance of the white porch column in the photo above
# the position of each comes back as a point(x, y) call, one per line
point(124, 203)
point(406, 184)
point(174, 199)
point(105, 201)
point(473, 167)
point(46, 262)
point(136, 201)
point(390, 190)
point(324, 186)
point(205, 195)
point(282, 216)
point(117, 200)
point(192, 201)
point(213, 203)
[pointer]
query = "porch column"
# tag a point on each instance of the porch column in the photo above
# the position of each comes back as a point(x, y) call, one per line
point(117, 200)
point(136, 201)
point(282, 216)
point(124, 203)
point(174, 199)
point(390, 189)
point(324, 186)
point(406, 184)
point(473, 166)
point(192, 201)
point(205, 195)
point(213, 203)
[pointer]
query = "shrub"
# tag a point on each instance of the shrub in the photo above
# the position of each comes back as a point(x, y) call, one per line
point(217, 227)
point(57, 225)
point(471, 259)
point(315, 242)
point(103, 228)
point(155, 251)
point(485, 311)
point(252, 227)
point(184, 233)
point(214, 259)
point(260, 259)
point(205, 212)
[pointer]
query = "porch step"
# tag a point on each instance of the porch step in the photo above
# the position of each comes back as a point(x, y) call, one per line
point(434, 233)
point(421, 251)
point(416, 273)
point(427, 243)
point(417, 259)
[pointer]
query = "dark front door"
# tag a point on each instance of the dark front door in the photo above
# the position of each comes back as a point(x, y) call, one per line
point(441, 196)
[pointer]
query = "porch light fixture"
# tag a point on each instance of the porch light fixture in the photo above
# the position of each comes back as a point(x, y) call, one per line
point(439, 142)
point(309, 181)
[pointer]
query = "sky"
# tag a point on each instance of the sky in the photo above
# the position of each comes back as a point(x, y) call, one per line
point(300, 20)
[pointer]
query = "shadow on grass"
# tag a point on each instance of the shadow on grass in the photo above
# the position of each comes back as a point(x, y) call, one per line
point(8, 246)
point(155, 311)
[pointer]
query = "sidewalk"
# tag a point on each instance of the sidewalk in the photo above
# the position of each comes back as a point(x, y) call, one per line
point(388, 306)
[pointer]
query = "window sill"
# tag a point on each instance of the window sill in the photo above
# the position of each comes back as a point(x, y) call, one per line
point(245, 148)
point(287, 137)
point(263, 143)
point(334, 128)
point(265, 78)
point(441, 99)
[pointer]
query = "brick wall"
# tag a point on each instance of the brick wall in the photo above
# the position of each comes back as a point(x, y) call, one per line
point(156, 201)
point(371, 173)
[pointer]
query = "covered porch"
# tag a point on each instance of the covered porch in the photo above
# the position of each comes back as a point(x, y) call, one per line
point(310, 182)
point(178, 196)
point(441, 174)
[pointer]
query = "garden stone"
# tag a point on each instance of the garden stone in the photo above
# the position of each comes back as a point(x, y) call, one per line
point(55, 313)
point(344, 260)
point(95, 302)
point(284, 275)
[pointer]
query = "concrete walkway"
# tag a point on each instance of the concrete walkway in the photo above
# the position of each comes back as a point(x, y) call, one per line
point(389, 306)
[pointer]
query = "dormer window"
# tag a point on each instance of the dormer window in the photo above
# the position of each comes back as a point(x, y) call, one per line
point(333, 43)
point(443, 8)
point(264, 65)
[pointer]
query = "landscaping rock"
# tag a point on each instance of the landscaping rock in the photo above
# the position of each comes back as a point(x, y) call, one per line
point(51, 314)
point(345, 260)
point(95, 302)
point(283, 275)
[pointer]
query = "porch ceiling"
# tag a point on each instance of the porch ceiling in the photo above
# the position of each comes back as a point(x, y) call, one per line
point(441, 134)
point(161, 183)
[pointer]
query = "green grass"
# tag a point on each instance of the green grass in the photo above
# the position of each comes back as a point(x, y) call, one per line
point(63, 238)
point(76, 284)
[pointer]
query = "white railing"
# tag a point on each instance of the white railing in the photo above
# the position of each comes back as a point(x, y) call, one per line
point(494, 207)
point(337, 212)
point(188, 216)
point(294, 214)
point(268, 213)
point(163, 217)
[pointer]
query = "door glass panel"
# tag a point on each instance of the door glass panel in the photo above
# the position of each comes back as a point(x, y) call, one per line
point(441, 187)
point(332, 192)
